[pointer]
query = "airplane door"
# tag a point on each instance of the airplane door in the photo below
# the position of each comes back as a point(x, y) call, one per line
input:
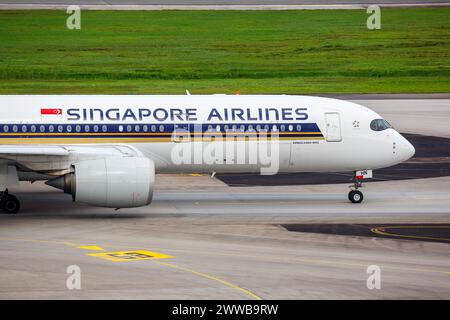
point(333, 122)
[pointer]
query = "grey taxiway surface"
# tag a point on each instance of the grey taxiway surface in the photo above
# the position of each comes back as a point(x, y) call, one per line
point(228, 242)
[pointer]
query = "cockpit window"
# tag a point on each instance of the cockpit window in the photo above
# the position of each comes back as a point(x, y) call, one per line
point(379, 125)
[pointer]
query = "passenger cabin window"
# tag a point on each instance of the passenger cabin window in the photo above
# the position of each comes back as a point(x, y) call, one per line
point(379, 125)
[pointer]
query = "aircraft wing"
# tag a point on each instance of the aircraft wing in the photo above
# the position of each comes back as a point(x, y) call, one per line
point(58, 158)
point(33, 151)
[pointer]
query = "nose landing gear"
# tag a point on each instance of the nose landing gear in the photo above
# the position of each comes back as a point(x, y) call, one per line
point(9, 203)
point(356, 196)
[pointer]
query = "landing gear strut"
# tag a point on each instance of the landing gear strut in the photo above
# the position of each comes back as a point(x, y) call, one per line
point(9, 203)
point(356, 196)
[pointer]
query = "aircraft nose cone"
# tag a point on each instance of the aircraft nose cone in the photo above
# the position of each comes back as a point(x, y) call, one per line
point(410, 150)
point(407, 150)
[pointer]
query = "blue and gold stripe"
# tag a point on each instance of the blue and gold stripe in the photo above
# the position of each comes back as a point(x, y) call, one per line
point(45, 133)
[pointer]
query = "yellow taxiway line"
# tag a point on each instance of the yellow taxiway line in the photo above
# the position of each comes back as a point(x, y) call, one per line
point(171, 265)
point(382, 231)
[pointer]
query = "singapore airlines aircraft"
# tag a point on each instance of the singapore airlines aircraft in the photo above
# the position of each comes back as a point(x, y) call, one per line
point(104, 150)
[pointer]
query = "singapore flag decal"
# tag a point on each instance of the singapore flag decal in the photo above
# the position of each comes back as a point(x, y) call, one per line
point(50, 114)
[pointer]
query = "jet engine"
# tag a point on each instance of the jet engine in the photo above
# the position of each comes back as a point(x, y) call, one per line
point(110, 182)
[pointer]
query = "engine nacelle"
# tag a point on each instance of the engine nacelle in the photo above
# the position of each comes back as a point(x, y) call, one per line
point(110, 182)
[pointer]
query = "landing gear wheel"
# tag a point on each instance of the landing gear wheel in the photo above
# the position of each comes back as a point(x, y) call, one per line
point(355, 196)
point(11, 204)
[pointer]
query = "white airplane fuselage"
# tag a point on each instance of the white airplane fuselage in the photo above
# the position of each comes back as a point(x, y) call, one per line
point(105, 150)
point(314, 134)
